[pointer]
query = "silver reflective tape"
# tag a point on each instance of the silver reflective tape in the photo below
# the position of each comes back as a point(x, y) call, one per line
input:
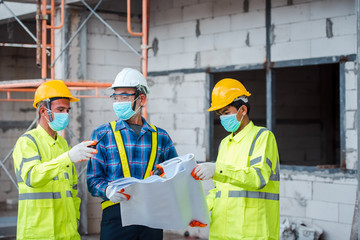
point(56, 178)
point(218, 194)
point(259, 195)
point(41, 195)
point(36, 157)
point(75, 186)
point(33, 139)
point(255, 161)
point(18, 176)
point(68, 194)
point(66, 175)
point(256, 137)
point(73, 170)
point(28, 177)
point(276, 176)
point(269, 163)
point(262, 180)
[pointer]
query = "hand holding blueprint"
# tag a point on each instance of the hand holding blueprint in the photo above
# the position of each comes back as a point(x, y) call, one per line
point(171, 202)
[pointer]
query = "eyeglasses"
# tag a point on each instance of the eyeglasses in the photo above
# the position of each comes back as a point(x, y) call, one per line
point(122, 97)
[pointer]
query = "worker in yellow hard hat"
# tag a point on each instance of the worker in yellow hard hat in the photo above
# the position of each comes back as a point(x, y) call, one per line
point(45, 171)
point(245, 201)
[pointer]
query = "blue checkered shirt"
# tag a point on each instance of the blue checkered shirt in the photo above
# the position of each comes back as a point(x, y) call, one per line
point(105, 166)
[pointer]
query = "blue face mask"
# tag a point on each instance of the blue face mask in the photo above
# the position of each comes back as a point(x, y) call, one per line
point(230, 122)
point(123, 110)
point(60, 121)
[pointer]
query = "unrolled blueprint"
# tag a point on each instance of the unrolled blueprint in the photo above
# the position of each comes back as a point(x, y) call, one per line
point(169, 202)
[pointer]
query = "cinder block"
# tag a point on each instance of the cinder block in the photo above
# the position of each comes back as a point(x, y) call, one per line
point(299, 190)
point(94, 26)
point(322, 210)
point(102, 72)
point(165, 121)
point(184, 136)
point(198, 151)
point(350, 100)
point(350, 76)
point(182, 60)
point(290, 14)
point(291, 50)
point(198, 11)
point(135, 42)
point(255, 5)
point(190, 120)
point(120, 26)
point(97, 41)
point(291, 207)
point(158, 63)
point(190, 89)
point(282, 33)
point(308, 30)
point(331, 8)
point(201, 43)
point(257, 37)
point(337, 193)
point(247, 55)
point(121, 58)
point(350, 119)
point(167, 16)
point(195, 77)
point(227, 7)
point(330, 46)
point(247, 20)
point(351, 159)
point(182, 3)
point(215, 25)
point(159, 32)
point(346, 213)
point(95, 56)
point(183, 29)
point(161, 5)
point(344, 25)
point(351, 139)
point(171, 46)
point(334, 230)
point(233, 39)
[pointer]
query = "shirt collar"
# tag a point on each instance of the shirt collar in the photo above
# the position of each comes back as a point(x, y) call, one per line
point(238, 137)
point(121, 124)
point(46, 136)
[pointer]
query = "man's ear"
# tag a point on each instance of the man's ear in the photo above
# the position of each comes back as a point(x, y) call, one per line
point(244, 110)
point(143, 100)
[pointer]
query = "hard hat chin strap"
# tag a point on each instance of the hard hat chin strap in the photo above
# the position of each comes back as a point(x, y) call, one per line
point(136, 97)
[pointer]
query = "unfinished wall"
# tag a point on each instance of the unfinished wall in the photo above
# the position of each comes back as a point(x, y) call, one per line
point(189, 36)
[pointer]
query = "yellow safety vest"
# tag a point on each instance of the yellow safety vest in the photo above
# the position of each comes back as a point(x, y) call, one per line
point(245, 200)
point(124, 160)
point(47, 180)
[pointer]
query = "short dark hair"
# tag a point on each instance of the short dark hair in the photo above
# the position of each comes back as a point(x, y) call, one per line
point(237, 104)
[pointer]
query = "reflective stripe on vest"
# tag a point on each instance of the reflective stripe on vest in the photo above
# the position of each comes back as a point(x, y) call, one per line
point(42, 195)
point(122, 152)
point(251, 194)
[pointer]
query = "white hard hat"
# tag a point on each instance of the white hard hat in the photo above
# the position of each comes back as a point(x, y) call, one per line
point(130, 77)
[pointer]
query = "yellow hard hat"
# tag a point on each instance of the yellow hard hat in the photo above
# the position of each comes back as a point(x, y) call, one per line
point(51, 89)
point(225, 92)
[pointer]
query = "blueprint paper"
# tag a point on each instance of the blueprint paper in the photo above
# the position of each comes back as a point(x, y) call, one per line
point(170, 203)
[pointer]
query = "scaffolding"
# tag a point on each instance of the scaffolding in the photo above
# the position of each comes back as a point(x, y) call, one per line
point(45, 24)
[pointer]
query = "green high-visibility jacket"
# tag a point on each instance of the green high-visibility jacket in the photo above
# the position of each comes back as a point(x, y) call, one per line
point(245, 200)
point(47, 180)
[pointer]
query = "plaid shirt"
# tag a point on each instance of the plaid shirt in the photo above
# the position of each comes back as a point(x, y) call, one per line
point(105, 166)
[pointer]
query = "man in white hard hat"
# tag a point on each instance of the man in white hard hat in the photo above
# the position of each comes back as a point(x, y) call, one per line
point(131, 147)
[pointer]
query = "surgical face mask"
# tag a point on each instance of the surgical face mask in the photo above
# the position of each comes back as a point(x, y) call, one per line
point(60, 122)
point(123, 110)
point(230, 122)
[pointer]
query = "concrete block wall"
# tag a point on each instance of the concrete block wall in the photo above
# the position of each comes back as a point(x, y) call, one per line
point(177, 103)
point(321, 199)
